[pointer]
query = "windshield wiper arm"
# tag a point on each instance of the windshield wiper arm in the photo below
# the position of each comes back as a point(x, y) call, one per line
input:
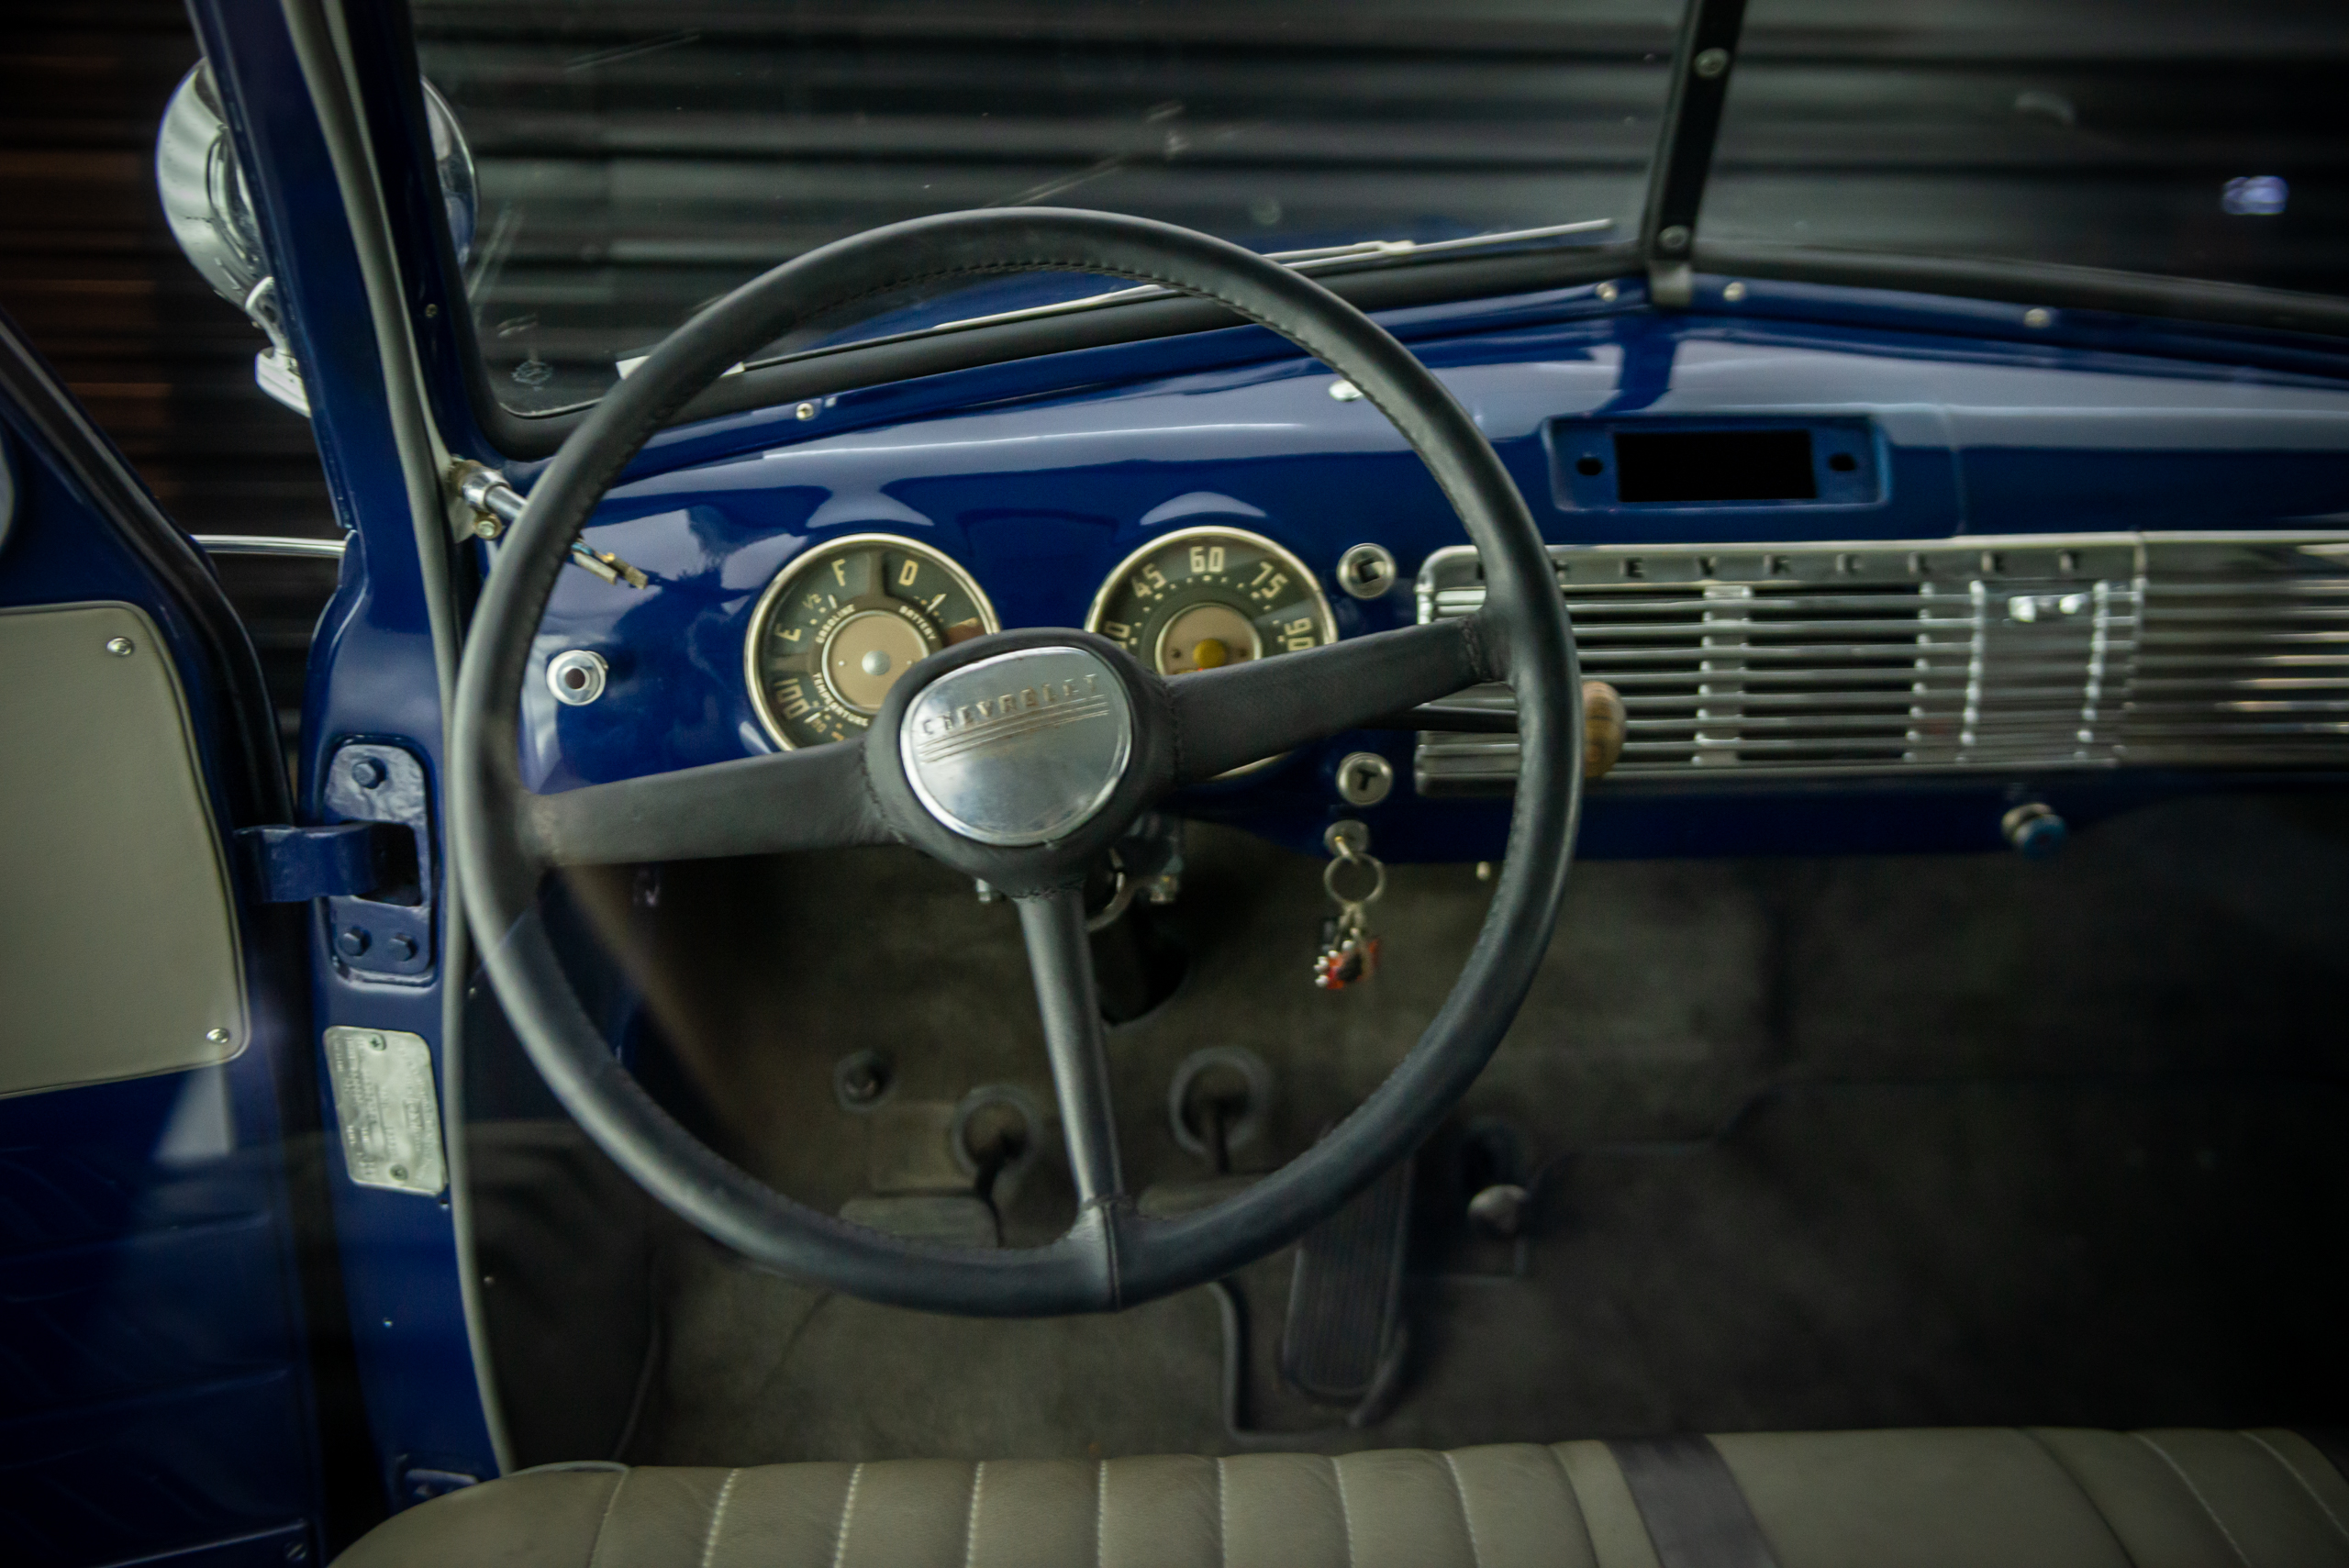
point(1322, 257)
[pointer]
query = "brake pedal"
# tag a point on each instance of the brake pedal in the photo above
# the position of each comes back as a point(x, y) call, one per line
point(1344, 1339)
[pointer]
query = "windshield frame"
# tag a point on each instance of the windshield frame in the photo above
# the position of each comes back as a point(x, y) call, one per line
point(1659, 267)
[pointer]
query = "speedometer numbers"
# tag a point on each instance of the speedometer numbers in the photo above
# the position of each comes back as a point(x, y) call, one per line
point(1201, 598)
point(833, 632)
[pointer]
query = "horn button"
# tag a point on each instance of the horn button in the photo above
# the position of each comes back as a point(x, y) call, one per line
point(1019, 749)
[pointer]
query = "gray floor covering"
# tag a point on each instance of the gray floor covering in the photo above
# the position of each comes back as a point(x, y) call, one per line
point(1869, 1142)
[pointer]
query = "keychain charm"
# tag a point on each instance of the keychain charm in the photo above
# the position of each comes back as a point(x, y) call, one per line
point(1349, 952)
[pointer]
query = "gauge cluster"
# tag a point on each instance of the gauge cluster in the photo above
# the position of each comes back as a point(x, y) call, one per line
point(838, 626)
point(1202, 598)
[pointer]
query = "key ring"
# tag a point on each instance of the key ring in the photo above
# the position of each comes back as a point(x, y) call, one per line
point(1347, 858)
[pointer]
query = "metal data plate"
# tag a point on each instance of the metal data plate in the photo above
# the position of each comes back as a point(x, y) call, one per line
point(389, 1108)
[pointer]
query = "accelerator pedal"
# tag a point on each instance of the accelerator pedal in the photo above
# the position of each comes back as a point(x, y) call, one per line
point(1344, 1338)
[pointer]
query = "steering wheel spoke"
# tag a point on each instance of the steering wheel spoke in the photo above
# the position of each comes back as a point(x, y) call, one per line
point(814, 798)
point(1229, 718)
point(1061, 959)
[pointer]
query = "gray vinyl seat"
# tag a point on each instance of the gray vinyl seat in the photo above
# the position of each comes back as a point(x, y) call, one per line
point(1998, 1497)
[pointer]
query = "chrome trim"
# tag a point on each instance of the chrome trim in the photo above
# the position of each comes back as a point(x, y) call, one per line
point(272, 544)
point(796, 567)
point(1872, 658)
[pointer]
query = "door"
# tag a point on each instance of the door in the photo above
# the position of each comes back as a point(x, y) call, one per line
point(158, 1400)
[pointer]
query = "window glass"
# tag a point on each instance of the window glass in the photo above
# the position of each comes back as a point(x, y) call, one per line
point(2155, 136)
point(636, 161)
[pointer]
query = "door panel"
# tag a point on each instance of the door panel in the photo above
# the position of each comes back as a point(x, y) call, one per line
point(157, 1388)
point(109, 850)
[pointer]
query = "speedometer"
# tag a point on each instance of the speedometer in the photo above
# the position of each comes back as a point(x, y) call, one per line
point(837, 626)
point(1200, 599)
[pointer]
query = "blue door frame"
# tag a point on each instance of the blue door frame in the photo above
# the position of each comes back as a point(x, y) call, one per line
point(373, 680)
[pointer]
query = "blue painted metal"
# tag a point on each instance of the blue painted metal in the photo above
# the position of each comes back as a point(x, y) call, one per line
point(371, 677)
point(293, 865)
point(1040, 497)
point(382, 931)
point(155, 1391)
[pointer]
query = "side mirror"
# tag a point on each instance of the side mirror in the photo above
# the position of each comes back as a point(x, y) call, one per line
point(210, 209)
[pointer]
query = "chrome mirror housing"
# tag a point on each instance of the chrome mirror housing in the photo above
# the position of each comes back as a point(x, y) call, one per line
point(210, 209)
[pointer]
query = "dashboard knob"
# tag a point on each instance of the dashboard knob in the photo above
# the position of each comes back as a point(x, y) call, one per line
point(2034, 829)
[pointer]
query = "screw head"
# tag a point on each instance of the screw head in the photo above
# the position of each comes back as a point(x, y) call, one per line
point(862, 1081)
point(2038, 317)
point(119, 647)
point(805, 411)
point(1710, 62)
point(367, 772)
point(486, 525)
point(353, 941)
point(430, 311)
point(217, 1035)
point(399, 1172)
point(1608, 294)
point(1733, 292)
point(1675, 238)
point(377, 1043)
point(401, 946)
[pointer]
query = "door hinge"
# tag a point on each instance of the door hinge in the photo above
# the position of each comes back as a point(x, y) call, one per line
point(293, 865)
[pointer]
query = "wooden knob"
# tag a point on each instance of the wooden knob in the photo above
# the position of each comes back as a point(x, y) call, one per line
point(1603, 722)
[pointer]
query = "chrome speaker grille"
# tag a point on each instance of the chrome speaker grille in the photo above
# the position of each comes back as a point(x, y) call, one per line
point(1986, 655)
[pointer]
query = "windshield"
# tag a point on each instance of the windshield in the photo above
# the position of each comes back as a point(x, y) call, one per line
point(2172, 136)
point(634, 162)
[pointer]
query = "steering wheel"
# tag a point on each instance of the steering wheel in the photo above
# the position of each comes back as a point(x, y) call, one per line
point(1017, 758)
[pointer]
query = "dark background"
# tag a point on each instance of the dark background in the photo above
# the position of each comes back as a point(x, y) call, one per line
point(88, 269)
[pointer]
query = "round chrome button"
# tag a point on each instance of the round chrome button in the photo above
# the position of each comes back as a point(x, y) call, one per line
point(1019, 749)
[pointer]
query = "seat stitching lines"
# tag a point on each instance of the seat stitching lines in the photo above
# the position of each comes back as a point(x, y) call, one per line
point(848, 1509)
point(716, 1515)
point(2294, 1472)
point(1222, 1518)
point(1345, 1510)
point(2078, 1485)
point(596, 1547)
point(970, 1524)
point(1476, 1551)
point(1100, 1513)
point(2212, 1514)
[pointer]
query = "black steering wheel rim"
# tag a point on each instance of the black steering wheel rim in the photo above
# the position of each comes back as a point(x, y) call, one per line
point(1113, 1257)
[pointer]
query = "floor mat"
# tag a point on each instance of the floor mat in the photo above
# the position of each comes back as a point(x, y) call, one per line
point(1823, 1144)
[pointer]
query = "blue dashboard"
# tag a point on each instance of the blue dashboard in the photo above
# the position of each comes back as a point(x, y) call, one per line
point(1928, 424)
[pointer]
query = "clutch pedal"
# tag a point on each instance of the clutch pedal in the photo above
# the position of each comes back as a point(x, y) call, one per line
point(1344, 1338)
